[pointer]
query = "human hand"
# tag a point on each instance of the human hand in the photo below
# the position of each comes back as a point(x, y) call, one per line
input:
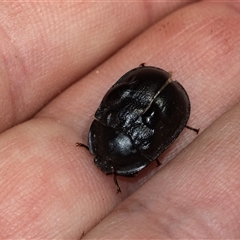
point(57, 62)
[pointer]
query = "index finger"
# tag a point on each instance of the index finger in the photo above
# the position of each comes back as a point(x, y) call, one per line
point(46, 47)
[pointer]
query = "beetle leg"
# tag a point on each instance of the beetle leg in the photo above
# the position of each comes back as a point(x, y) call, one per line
point(82, 145)
point(142, 65)
point(116, 183)
point(158, 163)
point(194, 129)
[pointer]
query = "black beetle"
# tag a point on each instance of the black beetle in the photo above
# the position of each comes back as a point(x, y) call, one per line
point(138, 118)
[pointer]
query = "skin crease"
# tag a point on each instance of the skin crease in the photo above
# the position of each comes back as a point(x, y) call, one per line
point(57, 62)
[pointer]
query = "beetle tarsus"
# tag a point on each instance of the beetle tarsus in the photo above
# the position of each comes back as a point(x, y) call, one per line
point(142, 65)
point(116, 183)
point(82, 145)
point(193, 129)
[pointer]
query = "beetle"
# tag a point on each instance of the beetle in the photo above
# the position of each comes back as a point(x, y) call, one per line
point(138, 119)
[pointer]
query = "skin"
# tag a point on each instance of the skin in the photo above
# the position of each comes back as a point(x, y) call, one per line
point(57, 62)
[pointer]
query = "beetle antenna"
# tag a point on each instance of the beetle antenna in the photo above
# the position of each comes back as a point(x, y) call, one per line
point(193, 129)
point(116, 183)
point(82, 145)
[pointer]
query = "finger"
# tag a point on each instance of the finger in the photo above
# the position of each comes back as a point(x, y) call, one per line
point(200, 71)
point(45, 47)
point(196, 195)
